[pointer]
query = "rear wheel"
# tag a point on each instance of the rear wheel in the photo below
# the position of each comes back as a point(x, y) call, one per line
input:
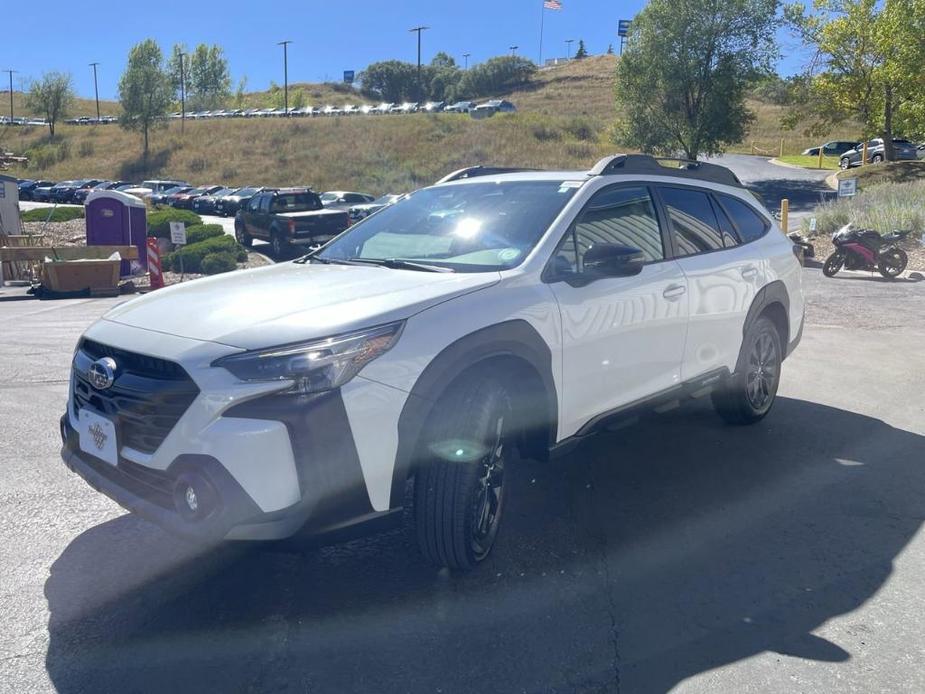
point(892, 262)
point(278, 245)
point(844, 163)
point(748, 395)
point(459, 494)
point(833, 264)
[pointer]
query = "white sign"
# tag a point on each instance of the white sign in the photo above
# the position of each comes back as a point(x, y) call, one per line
point(178, 233)
point(847, 187)
point(812, 224)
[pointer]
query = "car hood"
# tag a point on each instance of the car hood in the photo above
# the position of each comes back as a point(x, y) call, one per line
point(289, 302)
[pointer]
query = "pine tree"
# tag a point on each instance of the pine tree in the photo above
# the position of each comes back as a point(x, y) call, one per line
point(581, 52)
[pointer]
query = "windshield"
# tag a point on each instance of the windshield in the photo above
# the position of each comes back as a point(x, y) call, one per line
point(296, 202)
point(328, 197)
point(471, 227)
point(384, 200)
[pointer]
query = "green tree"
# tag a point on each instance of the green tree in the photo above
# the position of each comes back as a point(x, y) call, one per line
point(581, 52)
point(51, 96)
point(209, 77)
point(686, 70)
point(869, 64)
point(390, 80)
point(144, 90)
point(495, 76)
point(240, 96)
point(609, 49)
point(443, 76)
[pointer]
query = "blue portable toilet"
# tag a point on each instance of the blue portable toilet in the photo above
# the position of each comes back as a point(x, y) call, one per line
point(115, 218)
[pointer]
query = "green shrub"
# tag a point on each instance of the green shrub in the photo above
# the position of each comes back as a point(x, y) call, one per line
point(201, 232)
point(159, 221)
point(882, 208)
point(215, 263)
point(60, 214)
point(193, 254)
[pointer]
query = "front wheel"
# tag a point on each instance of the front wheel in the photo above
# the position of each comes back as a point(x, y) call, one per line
point(459, 493)
point(242, 236)
point(876, 159)
point(833, 264)
point(892, 262)
point(844, 163)
point(749, 393)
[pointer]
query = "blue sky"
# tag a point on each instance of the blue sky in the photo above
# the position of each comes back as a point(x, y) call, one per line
point(328, 37)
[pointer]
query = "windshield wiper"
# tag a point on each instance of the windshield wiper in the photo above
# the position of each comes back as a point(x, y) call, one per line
point(400, 264)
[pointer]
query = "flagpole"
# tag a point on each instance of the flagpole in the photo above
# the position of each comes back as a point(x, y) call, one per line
point(542, 17)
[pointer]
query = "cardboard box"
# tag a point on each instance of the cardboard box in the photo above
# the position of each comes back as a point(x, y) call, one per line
point(77, 275)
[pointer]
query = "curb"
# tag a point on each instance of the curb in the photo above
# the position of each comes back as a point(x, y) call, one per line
point(778, 162)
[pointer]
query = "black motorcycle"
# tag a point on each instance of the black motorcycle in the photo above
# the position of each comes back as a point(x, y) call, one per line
point(865, 249)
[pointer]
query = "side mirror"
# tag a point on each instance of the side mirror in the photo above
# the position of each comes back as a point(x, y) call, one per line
point(613, 260)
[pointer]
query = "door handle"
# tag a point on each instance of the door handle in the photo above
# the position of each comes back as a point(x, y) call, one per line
point(749, 273)
point(674, 291)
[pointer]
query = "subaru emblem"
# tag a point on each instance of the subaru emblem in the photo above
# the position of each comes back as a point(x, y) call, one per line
point(102, 373)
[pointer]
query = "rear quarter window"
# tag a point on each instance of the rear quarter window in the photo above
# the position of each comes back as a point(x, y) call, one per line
point(748, 222)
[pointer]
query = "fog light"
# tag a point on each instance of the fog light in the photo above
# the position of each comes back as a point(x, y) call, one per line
point(194, 497)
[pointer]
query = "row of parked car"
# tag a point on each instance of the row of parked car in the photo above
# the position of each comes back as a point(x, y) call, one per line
point(219, 200)
point(851, 152)
point(488, 107)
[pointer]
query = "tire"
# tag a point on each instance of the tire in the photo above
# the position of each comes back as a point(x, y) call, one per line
point(748, 395)
point(242, 236)
point(833, 264)
point(844, 163)
point(876, 159)
point(278, 245)
point(459, 493)
point(892, 263)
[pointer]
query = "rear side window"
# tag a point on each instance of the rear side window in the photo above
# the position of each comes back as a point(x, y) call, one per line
point(748, 223)
point(692, 221)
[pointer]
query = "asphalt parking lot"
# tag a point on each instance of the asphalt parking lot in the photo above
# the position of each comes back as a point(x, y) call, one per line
point(675, 553)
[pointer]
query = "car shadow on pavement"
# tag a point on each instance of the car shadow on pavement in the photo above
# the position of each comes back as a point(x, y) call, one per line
point(653, 553)
point(802, 195)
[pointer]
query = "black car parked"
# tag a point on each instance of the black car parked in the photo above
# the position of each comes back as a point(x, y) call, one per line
point(228, 205)
point(205, 204)
point(27, 188)
point(163, 198)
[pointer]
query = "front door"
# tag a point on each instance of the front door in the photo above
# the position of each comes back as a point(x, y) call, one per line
point(622, 337)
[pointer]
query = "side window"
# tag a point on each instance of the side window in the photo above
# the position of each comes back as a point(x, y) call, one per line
point(621, 215)
point(254, 203)
point(265, 203)
point(748, 223)
point(730, 237)
point(692, 221)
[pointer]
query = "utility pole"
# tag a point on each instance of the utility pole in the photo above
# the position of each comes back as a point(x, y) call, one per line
point(466, 56)
point(96, 91)
point(182, 56)
point(11, 93)
point(419, 30)
point(568, 48)
point(513, 50)
point(285, 45)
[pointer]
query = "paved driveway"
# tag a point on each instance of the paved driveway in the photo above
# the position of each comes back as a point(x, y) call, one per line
point(678, 552)
point(804, 188)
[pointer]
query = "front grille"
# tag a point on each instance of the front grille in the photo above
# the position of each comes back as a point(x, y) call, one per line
point(147, 398)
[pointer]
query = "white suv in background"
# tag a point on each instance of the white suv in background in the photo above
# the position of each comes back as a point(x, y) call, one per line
point(415, 356)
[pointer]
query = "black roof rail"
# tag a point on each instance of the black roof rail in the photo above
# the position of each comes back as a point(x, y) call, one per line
point(473, 171)
point(664, 166)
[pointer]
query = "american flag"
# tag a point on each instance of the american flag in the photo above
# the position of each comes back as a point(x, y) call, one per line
point(552, 4)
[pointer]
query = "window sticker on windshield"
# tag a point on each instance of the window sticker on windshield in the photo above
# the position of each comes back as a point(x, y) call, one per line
point(568, 185)
point(506, 255)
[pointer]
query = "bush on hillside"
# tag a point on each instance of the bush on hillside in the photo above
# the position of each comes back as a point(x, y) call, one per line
point(193, 254)
point(58, 214)
point(159, 221)
point(215, 263)
point(201, 232)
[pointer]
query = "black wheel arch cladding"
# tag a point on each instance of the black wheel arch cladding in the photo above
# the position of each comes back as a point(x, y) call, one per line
point(773, 301)
point(523, 352)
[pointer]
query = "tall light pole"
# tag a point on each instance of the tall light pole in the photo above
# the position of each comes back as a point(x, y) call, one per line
point(419, 30)
point(568, 48)
point(11, 94)
point(513, 50)
point(285, 45)
point(96, 91)
point(466, 56)
point(182, 57)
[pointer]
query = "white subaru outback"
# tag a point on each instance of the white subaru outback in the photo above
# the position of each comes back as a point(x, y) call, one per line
point(409, 360)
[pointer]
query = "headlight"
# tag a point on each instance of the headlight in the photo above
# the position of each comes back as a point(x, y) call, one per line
point(317, 365)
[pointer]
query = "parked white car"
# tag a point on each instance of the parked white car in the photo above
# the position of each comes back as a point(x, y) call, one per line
point(416, 356)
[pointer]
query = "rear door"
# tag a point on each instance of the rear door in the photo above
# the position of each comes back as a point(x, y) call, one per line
point(723, 275)
point(622, 337)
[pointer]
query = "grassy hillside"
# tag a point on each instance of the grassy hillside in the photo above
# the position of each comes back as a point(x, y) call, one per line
point(81, 107)
point(564, 120)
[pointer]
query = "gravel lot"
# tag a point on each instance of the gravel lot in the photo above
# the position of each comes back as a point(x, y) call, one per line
point(674, 554)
